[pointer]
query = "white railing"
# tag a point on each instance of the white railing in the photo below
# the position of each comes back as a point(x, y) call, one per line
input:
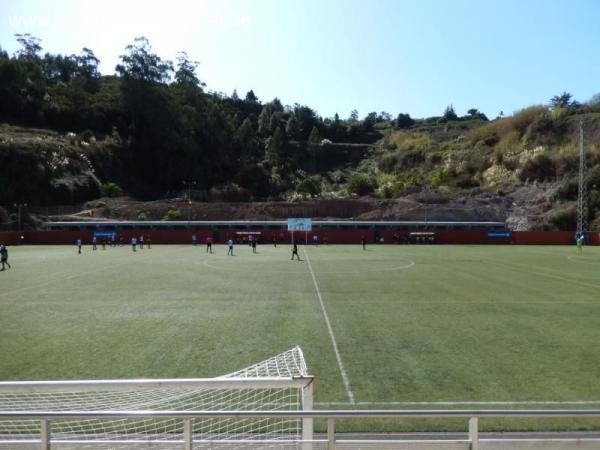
point(188, 440)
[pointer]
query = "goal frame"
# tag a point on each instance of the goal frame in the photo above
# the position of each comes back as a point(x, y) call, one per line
point(304, 384)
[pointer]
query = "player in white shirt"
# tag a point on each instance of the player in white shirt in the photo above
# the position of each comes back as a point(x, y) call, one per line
point(230, 247)
point(133, 244)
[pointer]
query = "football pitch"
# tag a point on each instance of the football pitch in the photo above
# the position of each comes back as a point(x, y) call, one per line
point(389, 327)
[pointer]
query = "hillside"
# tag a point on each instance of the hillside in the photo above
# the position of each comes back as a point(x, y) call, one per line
point(154, 135)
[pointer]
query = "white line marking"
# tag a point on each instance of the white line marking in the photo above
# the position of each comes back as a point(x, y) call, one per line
point(410, 263)
point(516, 402)
point(345, 378)
point(582, 258)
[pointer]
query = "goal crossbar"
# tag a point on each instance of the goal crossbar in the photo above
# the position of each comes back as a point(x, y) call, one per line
point(141, 384)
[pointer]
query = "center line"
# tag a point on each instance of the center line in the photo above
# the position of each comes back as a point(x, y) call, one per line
point(331, 335)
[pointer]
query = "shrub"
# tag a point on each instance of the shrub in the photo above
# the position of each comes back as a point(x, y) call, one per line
point(173, 214)
point(405, 141)
point(568, 190)
point(440, 177)
point(389, 186)
point(508, 143)
point(111, 189)
point(361, 184)
point(309, 186)
point(143, 216)
point(86, 135)
point(564, 218)
point(540, 168)
point(230, 192)
point(465, 180)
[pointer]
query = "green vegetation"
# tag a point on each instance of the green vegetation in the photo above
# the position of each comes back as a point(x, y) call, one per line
point(110, 190)
point(447, 328)
point(172, 214)
point(71, 134)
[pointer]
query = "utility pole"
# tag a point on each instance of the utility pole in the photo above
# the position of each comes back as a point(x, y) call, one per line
point(189, 185)
point(19, 206)
point(582, 201)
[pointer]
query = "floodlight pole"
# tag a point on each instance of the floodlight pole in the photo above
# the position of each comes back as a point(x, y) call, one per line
point(582, 204)
point(189, 185)
point(19, 206)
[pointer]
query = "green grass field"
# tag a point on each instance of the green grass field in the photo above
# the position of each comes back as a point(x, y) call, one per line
point(412, 323)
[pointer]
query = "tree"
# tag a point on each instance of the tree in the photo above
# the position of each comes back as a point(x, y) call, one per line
point(276, 105)
point(246, 137)
point(139, 63)
point(370, 120)
point(449, 113)
point(404, 121)
point(314, 141)
point(58, 68)
point(250, 97)
point(353, 116)
point(185, 75)
point(315, 137)
point(87, 63)
point(474, 113)
point(306, 119)
point(264, 121)
point(30, 46)
point(275, 148)
point(292, 128)
point(234, 96)
point(384, 117)
point(564, 100)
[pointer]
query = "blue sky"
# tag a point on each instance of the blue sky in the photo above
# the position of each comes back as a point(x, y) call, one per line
point(335, 56)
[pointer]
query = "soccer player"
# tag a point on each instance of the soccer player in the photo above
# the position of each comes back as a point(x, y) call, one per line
point(133, 243)
point(142, 242)
point(4, 256)
point(315, 239)
point(253, 245)
point(103, 244)
point(580, 242)
point(274, 241)
point(78, 246)
point(148, 243)
point(363, 242)
point(194, 239)
point(112, 241)
point(94, 241)
point(230, 247)
point(295, 252)
point(209, 244)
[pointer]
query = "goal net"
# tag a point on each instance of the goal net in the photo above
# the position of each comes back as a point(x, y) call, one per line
point(280, 383)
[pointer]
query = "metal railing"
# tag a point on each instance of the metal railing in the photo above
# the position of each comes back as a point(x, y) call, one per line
point(332, 442)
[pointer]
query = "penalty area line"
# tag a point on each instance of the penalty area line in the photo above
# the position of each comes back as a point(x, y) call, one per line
point(345, 378)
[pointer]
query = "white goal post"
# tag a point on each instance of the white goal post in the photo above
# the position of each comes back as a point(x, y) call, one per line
point(280, 383)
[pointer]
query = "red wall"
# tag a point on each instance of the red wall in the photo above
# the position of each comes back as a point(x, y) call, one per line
point(9, 237)
point(332, 236)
